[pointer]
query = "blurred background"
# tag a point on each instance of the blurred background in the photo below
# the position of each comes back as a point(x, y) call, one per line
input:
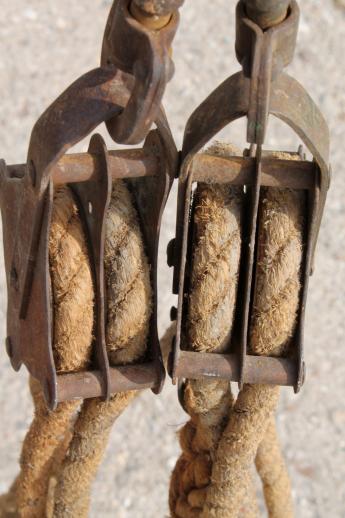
point(44, 46)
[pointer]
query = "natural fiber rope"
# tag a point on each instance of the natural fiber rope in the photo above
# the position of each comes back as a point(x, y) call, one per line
point(230, 496)
point(271, 467)
point(72, 296)
point(129, 309)
point(275, 307)
point(209, 443)
point(214, 274)
point(36, 491)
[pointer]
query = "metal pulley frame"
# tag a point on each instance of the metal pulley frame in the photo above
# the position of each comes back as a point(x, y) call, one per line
point(125, 92)
point(260, 89)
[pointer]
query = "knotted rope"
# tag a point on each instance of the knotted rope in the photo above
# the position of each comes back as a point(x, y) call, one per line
point(229, 448)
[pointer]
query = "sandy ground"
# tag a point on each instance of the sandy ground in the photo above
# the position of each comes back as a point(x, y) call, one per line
point(44, 45)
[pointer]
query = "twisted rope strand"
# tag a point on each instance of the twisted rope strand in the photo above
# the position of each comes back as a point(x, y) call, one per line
point(72, 293)
point(215, 266)
point(278, 271)
point(274, 476)
point(227, 489)
point(129, 309)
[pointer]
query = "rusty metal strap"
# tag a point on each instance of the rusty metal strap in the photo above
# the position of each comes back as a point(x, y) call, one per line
point(144, 54)
point(263, 54)
point(125, 93)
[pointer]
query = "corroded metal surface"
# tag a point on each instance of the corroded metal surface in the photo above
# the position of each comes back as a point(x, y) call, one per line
point(318, 413)
point(89, 384)
point(147, 61)
point(29, 338)
point(81, 167)
point(259, 369)
point(263, 54)
point(93, 198)
point(259, 90)
point(124, 92)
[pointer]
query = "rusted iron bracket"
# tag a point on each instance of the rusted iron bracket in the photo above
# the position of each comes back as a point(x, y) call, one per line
point(147, 63)
point(125, 92)
point(286, 99)
point(263, 54)
point(126, 88)
point(93, 199)
point(29, 339)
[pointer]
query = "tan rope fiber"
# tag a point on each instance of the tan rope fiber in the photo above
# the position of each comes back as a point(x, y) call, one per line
point(59, 456)
point(87, 448)
point(275, 306)
point(71, 286)
point(129, 309)
point(72, 295)
point(184, 500)
point(9, 502)
point(214, 274)
point(40, 454)
point(275, 479)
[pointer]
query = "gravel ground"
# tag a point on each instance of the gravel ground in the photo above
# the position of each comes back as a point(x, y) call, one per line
point(44, 45)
